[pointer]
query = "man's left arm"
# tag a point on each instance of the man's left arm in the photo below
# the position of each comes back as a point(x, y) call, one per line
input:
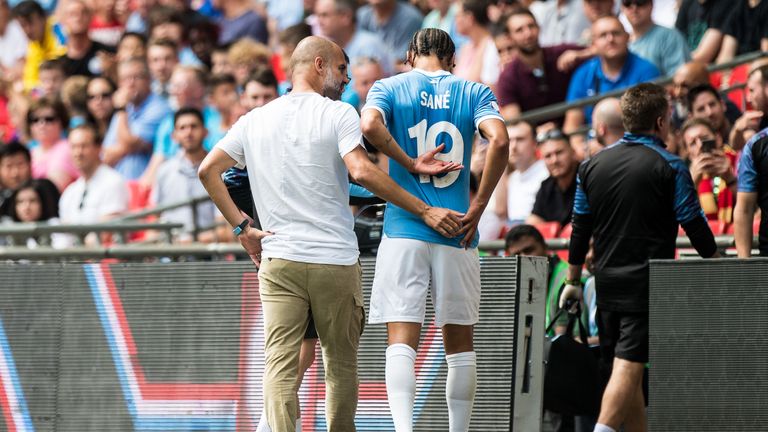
point(495, 131)
point(373, 125)
point(689, 213)
point(582, 223)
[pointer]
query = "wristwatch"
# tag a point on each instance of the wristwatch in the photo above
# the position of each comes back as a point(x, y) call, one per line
point(240, 228)
point(573, 282)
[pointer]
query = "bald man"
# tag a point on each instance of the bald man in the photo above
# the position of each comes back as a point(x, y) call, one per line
point(300, 149)
point(685, 78)
point(606, 124)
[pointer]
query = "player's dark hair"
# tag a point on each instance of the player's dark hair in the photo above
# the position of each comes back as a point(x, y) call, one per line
point(479, 11)
point(519, 232)
point(188, 111)
point(263, 76)
point(221, 79)
point(642, 105)
point(90, 127)
point(699, 90)
point(432, 41)
point(27, 9)
point(13, 148)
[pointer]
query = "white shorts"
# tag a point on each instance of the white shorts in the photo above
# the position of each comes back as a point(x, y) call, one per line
point(403, 271)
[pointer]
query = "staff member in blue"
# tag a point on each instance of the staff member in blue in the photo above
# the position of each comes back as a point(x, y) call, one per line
point(407, 116)
point(753, 175)
point(631, 197)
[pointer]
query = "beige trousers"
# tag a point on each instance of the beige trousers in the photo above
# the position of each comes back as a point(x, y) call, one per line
point(289, 289)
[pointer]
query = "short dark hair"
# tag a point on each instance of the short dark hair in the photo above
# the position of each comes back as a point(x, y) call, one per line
point(263, 76)
point(87, 126)
point(188, 111)
point(499, 28)
point(141, 37)
point(162, 14)
point(521, 10)
point(518, 122)
point(221, 79)
point(701, 89)
point(432, 41)
point(49, 206)
point(27, 9)
point(642, 105)
point(59, 110)
point(54, 64)
point(478, 9)
point(294, 34)
point(13, 148)
point(697, 121)
point(348, 5)
point(164, 42)
point(518, 232)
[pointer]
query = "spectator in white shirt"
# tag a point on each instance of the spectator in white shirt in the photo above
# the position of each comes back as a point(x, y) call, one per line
point(101, 192)
point(518, 189)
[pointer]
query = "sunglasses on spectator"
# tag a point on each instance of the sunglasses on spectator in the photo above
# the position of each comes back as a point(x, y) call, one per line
point(44, 119)
point(552, 134)
point(638, 3)
point(99, 96)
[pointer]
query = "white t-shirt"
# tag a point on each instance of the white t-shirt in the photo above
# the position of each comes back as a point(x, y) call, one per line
point(105, 193)
point(293, 148)
point(522, 188)
point(13, 44)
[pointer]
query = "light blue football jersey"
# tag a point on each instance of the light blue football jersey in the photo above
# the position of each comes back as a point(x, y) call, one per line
point(423, 110)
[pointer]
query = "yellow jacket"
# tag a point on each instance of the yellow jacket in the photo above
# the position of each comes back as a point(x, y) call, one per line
point(38, 52)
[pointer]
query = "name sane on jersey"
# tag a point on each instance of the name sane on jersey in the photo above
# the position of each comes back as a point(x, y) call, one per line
point(435, 101)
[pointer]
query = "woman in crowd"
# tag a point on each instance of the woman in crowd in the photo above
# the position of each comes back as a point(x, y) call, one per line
point(99, 102)
point(51, 158)
point(33, 202)
point(478, 58)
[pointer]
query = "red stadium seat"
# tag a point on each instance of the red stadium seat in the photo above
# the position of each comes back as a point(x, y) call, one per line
point(566, 231)
point(718, 227)
point(139, 199)
point(548, 229)
point(139, 195)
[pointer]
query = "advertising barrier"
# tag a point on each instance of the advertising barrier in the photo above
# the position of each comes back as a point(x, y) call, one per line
point(709, 358)
point(179, 346)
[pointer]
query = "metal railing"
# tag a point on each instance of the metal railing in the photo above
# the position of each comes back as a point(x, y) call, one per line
point(227, 250)
point(554, 111)
point(17, 233)
point(158, 210)
point(682, 242)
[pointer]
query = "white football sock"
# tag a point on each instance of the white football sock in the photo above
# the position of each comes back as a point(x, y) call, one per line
point(460, 389)
point(263, 425)
point(401, 385)
point(603, 428)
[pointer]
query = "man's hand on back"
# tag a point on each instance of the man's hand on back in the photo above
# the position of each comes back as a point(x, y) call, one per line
point(251, 241)
point(469, 223)
point(445, 221)
point(427, 164)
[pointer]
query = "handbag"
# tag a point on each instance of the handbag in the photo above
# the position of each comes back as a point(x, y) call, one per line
point(572, 380)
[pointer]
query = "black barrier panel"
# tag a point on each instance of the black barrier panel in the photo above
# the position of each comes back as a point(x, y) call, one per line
point(709, 357)
point(154, 347)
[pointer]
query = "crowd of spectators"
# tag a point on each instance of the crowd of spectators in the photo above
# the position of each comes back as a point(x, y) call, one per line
point(91, 90)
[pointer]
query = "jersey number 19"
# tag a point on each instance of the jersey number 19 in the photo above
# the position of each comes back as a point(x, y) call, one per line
point(426, 140)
